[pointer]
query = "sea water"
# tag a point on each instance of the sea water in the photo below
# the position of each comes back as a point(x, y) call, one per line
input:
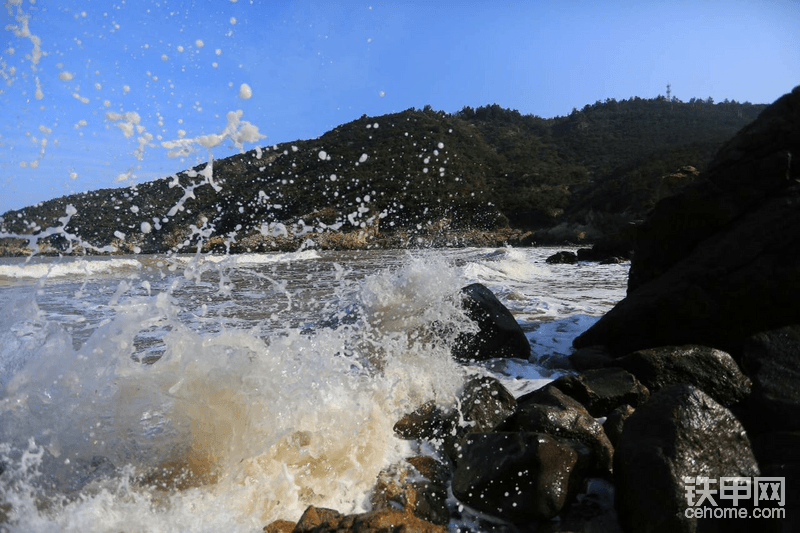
point(220, 393)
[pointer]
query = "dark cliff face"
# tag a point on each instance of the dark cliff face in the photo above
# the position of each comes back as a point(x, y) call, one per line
point(487, 169)
point(720, 260)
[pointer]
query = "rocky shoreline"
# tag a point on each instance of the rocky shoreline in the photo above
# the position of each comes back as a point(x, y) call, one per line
point(686, 393)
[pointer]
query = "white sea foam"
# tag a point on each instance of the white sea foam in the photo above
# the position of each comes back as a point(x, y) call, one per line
point(250, 259)
point(66, 268)
point(259, 426)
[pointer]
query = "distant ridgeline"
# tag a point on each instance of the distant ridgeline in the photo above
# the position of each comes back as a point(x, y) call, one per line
point(410, 177)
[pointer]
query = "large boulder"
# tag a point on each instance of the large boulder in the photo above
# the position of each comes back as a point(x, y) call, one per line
point(772, 358)
point(711, 370)
point(719, 261)
point(603, 390)
point(550, 411)
point(522, 477)
point(680, 434)
point(499, 333)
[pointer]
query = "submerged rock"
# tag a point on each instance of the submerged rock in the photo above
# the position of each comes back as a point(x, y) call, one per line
point(499, 333)
point(680, 433)
point(562, 258)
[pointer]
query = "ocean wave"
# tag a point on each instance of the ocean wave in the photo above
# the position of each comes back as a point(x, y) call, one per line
point(67, 268)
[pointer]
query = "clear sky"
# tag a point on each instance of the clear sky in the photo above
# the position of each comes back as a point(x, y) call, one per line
point(98, 94)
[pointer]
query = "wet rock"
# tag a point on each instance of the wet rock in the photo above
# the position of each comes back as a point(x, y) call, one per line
point(615, 422)
point(280, 526)
point(499, 333)
point(482, 405)
point(680, 433)
point(405, 488)
point(550, 411)
point(385, 521)
point(321, 520)
point(772, 359)
point(562, 258)
point(603, 390)
point(713, 371)
point(521, 477)
point(485, 403)
point(592, 512)
point(318, 519)
point(720, 260)
point(427, 422)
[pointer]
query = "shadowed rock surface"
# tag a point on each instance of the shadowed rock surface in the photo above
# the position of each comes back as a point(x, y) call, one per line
point(772, 358)
point(680, 433)
point(615, 422)
point(719, 261)
point(713, 371)
point(520, 476)
point(550, 411)
point(603, 390)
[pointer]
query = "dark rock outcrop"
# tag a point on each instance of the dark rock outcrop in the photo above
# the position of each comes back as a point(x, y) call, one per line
point(550, 411)
point(672, 183)
point(680, 433)
point(593, 512)
point(719, 261)
point(590, 358)
point(499, 336)
point(710, 370)
point(562, 258)
point(615, 422)
point(750, 168)
point(772, 359)
point(603, 390)
point(520, 476)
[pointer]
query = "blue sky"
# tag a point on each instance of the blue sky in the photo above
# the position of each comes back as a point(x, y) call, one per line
point(92, 93)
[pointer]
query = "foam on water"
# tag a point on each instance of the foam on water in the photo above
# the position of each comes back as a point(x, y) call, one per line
point(249, 259)
point(63, 268)
point(221, 432)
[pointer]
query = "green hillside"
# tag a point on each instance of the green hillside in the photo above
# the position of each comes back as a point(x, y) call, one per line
point(413, 173)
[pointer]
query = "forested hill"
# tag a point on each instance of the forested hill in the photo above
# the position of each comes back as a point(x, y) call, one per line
point(417, 171)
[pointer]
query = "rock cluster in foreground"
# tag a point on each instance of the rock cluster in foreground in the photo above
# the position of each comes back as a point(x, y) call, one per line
point(694, 375)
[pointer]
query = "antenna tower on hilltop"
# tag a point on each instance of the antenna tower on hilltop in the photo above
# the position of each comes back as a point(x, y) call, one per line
point(669, 92)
